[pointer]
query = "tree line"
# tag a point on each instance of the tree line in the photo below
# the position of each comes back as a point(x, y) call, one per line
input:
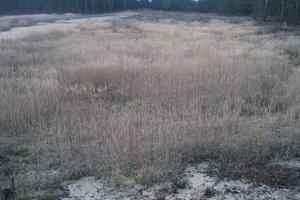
point(283, 10)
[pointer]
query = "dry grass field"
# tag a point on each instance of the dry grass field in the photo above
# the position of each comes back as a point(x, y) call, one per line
point(144, 96)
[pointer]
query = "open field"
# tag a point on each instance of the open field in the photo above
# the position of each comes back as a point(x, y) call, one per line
point(144, 96)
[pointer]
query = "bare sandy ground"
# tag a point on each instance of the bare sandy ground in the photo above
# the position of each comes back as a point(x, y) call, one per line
point(200, 186)
point(44, 22)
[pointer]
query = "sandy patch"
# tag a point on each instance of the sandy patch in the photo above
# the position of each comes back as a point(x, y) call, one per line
point(200, 186)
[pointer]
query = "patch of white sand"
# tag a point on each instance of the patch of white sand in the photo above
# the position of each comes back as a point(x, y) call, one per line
point(199, 183)
point(91, 189)
point(59, 24)
point(288, 163)
point(85, 189)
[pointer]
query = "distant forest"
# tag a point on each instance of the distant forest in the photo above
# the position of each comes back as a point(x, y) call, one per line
point(283, 10)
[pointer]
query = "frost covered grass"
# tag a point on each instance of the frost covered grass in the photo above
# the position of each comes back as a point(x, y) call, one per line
point(143, 98)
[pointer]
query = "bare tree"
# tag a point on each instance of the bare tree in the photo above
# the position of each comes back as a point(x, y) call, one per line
point(77, 5)
point(111, 5)
point(282, 11)
point(86, 6)
point(125, 5)
point(104, 5)
point(93, 5)
point(266, 9)
point(297, 10)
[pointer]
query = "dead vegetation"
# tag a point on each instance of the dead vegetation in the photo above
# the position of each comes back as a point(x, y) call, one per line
point(146, 98)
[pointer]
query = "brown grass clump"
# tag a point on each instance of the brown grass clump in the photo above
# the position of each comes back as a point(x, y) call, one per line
point(149, 97)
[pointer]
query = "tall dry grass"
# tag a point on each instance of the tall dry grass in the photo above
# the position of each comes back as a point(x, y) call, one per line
point(141, 98)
